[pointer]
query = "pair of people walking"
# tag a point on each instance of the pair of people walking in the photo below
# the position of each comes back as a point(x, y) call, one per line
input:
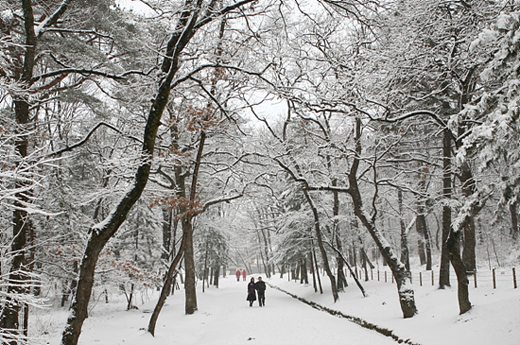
point(243, 273)
point(253, 288)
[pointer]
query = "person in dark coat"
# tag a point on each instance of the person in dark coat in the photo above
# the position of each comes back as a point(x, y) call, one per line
point(260, 287)
point(251, 292)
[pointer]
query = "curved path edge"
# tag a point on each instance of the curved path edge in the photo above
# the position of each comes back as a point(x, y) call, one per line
point(357, 320)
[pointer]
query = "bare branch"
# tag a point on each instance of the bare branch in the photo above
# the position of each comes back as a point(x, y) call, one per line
point(87, 137)
point(220, 200)
point(54, 18)
point(88, 72)
point(93, 32)
point(329, 189)
point(208, 19)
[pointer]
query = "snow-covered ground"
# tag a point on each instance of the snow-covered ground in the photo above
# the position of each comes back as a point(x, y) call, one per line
point(494, 318)
point(224, 317)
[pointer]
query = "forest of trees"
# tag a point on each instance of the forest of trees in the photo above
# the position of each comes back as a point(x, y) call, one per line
point(142, 150)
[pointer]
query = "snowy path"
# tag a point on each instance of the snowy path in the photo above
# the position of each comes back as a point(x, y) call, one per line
point(224, 317)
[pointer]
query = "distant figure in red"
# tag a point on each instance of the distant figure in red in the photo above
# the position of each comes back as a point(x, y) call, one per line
point(244, 274)
point(237, 274)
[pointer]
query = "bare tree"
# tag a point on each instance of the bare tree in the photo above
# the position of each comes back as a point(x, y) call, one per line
point(191, 19)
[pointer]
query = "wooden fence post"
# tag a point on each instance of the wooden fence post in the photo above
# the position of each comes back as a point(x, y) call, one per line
point(475, 277)
point(494, 279)
point(433, 281)
point(385, 278)
point(514, 278)
point(420, 278)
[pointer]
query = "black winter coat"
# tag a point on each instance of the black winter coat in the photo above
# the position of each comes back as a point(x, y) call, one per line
point(251, 292)
point(260, 286)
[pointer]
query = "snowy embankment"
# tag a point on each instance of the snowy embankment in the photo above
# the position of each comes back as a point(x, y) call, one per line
point(494, 318)
point(224, 318)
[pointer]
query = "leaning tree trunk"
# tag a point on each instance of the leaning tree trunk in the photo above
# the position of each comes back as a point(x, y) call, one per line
point(101, 233)
point(352, 273)
point(165, 289)
point(317, 228)
point(401, 274)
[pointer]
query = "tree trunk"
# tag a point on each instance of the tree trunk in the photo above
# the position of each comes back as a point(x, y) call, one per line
point(321, 246)
point(444, 273)
point(342, 280)
point(9, 317)
point(353, 254)
point(170, 277)
point(129, 298)
point(73, 284)
point(405, 253)
point(270, 248)
point(205, 270)
point(364, 263)
point(420, 223)
point(402, 276)
point(514, 220)
point(265, 256)
point(468, 188)
point(260, 245)
point(189, 254)
point(189, 266)
point(365, 256)
point(428, 243)
point(305, 276)
point(317, 269)
point(453, 244)
point(420, 238)
point(216, 272)
point(313, 272)
point(102, 232)
point(167, 226)
point(352, 273)
point(424, 241)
